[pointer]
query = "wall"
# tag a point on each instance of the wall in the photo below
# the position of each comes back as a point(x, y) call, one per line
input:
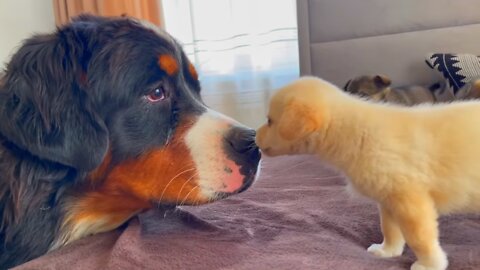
point(19, 19)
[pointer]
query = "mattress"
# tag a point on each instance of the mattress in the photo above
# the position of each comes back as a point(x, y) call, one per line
point(296, 216)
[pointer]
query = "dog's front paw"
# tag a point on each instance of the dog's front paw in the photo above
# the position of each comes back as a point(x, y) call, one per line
point(380, 250)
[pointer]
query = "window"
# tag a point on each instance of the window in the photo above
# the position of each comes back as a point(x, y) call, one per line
point(242, 49)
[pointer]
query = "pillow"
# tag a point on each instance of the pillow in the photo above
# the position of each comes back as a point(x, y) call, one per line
point(457, 69)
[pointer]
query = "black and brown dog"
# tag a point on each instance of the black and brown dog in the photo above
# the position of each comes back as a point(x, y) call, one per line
point(99, 121)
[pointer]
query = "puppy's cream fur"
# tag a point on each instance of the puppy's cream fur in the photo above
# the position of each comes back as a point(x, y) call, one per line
point(416, 162)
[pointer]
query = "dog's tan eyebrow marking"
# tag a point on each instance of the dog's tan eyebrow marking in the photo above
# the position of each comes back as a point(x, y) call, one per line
point(168, 64)
point(192, 71)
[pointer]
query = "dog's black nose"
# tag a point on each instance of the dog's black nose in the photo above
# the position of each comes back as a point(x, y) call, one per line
point(241, 148)
point(241, 139)
point(241, 145)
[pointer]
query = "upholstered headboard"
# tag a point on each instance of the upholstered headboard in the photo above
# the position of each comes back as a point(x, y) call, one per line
point(340, 39)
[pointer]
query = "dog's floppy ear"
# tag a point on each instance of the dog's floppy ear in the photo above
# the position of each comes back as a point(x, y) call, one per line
point(382, 81)
point(298, 121)
point(45, 107)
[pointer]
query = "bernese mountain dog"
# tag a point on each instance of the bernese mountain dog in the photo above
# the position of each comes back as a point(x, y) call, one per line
point(99, 121)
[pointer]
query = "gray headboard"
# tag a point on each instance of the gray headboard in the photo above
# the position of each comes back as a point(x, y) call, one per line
point(340, 39)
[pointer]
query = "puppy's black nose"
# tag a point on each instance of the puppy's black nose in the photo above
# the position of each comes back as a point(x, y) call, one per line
point(240, 145)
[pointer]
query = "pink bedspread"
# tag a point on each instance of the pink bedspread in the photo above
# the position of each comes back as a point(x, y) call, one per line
point(297, 216)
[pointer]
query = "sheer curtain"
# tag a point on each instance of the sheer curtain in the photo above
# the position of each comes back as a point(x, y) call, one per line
point(242, 49)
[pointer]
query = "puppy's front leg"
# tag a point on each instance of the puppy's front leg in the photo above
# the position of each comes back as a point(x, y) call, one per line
point(393, 241)
point(417, 217)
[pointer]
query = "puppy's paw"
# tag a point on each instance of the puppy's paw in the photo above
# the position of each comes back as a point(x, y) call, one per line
point(418, 266)
point(380, 250)
point(439, 263)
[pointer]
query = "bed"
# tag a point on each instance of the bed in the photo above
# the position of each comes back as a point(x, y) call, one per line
point(299, 215)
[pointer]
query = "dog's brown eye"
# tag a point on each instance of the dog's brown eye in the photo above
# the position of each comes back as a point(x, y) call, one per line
point(269, 121)
point(156, 95)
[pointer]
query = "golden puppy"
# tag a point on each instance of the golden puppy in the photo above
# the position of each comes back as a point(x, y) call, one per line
point(415, 162)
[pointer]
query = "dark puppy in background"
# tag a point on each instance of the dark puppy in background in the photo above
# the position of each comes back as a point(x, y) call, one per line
point(470, 90)
point(378, 88)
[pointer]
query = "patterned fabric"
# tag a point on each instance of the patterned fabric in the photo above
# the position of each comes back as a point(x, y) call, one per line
point(457, 69)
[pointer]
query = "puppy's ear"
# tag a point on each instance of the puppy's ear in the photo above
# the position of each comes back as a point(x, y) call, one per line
point(347, 85)
point(45, 107)
point(298, 121)
point(475, 92)
point(382, 81)
point(471, 90)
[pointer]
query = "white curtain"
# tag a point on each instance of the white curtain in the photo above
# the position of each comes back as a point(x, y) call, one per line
point(242, 49)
